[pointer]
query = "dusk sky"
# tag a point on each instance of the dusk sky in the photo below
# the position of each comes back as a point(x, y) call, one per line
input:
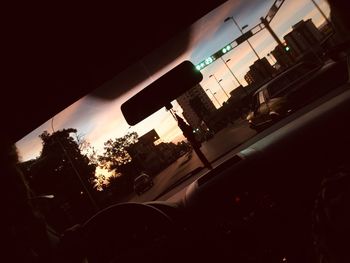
point(99, 120)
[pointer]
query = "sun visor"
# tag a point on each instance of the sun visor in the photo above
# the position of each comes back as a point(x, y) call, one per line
point(161, 92)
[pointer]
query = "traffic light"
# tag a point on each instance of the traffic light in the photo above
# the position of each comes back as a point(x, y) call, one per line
point(287, 48)
point(205, 63)
point(226, 49)
point(214, 57)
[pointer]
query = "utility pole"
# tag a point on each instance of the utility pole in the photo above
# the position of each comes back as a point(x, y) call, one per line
point(275, 37)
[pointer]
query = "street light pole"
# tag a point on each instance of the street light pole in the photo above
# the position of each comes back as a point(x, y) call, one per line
point(218, 81)
point(240, 29)
point(223, 88)
point(225, 62)
point(272, 33)
point(213, 94)
point(240, 84)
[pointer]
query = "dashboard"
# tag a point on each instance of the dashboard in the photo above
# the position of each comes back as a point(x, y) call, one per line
point(259, 203)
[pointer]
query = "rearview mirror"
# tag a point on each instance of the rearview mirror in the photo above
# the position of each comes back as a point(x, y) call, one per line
point(161, 92)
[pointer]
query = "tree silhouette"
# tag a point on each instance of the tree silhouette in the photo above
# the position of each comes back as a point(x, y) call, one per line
point(116, 156)
point(62, 170)
point(117, 159)
point(100, 182)
point(62, 151)
point(120, 185)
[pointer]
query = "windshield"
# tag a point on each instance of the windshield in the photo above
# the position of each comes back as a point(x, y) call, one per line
point(88, 157)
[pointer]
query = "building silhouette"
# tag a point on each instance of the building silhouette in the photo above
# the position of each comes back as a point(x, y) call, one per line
point(152, 155)
point(144, 152)
point(149, 138)
point(283, 59)
point(196, 106)
point(302, 43)
point(259, 71)
point(304, 37)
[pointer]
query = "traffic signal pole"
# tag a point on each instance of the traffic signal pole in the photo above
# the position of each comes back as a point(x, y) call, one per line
point(273, 34)
point(275, 37)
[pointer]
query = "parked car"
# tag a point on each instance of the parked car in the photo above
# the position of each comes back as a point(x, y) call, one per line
point(142, 183)
point(273, 100)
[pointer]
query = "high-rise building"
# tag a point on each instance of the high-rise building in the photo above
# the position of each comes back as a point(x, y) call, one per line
point(196, 106)
point(149, 137)
point(304, 37)
point(283, 59)
point(259, 71)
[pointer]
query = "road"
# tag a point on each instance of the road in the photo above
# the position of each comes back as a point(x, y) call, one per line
point(223, 142)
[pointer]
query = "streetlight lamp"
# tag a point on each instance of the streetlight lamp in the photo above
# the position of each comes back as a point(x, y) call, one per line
point(225, 62)
point(218, 81)
point(241, 30)
point(213, 94)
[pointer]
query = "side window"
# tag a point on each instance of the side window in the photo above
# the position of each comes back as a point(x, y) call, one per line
point(266, 94)
point(255, 102)
point(261, 97)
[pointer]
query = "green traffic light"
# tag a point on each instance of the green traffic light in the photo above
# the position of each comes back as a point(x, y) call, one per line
point(213, 57)
point(287, 48)
point(226, 49)
point(208, 61)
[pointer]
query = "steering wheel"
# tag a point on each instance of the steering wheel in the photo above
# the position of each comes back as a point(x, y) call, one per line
point(129, 232)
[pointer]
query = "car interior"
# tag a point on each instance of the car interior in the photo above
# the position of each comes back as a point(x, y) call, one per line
point(256, 202)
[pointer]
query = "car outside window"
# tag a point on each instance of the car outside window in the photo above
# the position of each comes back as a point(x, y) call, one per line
point(261, 97)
